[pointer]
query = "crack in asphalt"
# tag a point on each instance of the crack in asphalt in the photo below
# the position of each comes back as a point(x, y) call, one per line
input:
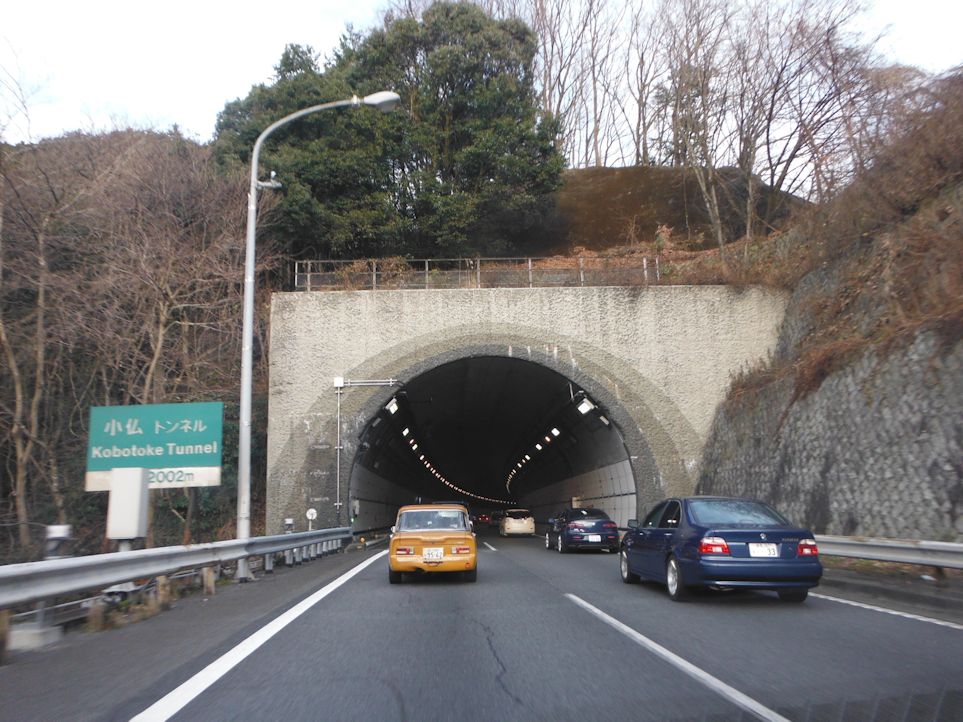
point(489, 637)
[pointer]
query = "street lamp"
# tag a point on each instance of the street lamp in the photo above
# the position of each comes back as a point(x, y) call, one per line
point(385, 101)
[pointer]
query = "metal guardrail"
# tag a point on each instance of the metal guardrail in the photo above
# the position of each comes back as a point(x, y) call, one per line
point(35, 581)
point(948, 555)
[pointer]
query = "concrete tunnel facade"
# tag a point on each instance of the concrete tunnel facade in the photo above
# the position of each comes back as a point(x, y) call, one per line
point(478, 377)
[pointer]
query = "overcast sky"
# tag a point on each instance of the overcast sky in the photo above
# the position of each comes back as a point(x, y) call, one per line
point(103, 63)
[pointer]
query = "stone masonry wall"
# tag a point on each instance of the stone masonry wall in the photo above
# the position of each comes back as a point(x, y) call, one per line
point(877, 450)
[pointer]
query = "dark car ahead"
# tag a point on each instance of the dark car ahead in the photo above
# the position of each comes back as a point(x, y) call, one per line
point(721, 542)
point(582, 529)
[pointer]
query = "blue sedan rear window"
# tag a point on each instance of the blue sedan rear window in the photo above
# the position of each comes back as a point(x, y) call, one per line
point(712, 512)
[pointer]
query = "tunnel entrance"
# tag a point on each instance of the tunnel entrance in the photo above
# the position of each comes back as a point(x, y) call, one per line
point(494, 432)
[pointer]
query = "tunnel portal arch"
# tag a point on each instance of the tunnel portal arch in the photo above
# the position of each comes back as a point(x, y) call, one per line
point(654, 361)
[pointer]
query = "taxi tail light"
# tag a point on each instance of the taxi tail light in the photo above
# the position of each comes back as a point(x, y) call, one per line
point(462, 550)
point(713, 545)
point(807, 548)
point(610, 525)
point(404, 551)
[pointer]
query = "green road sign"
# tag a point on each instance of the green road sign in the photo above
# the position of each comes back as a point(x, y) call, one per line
point(179, 444)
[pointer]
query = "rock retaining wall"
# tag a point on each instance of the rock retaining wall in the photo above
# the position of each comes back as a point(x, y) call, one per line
point(876, 450)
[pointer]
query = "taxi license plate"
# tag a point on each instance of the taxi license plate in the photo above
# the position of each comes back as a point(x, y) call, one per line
point(595, 537)
point(433, 554)
point(763, 550)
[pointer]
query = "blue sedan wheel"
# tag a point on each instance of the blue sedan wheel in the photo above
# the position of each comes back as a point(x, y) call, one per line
point(793, 595)
point(548, 540)
point(627, 576)
point(673, 581)
point(560, 544)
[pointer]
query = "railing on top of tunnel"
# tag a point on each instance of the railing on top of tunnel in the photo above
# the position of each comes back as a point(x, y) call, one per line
point(446, 273)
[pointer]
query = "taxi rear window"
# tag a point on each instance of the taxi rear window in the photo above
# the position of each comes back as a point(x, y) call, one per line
point(431, 519)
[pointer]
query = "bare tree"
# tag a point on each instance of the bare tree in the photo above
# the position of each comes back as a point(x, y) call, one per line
point(699, 91)
point(122, 262)
point(645, 69)
point(39, 205)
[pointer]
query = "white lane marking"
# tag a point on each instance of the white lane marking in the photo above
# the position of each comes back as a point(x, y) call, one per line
point(717, 685)
point(169, 705)
point(895, 613)
point(490, 546)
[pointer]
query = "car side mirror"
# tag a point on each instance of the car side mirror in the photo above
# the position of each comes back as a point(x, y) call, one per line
point(393, 528)
point(632, 524)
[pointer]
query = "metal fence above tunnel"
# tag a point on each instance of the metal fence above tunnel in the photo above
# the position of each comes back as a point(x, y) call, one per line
point(447, 273)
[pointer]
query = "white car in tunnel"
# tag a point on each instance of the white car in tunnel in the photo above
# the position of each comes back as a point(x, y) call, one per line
point(517, 522)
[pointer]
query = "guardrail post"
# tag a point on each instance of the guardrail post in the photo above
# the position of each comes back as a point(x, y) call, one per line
point(207, 577)
point(581, 271)
point(163, 592)
point(269, 563)
point(529, 272)
point(289, 529)
point(4, 632)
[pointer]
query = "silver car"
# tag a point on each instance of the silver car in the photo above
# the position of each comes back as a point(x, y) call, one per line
point(517, 522)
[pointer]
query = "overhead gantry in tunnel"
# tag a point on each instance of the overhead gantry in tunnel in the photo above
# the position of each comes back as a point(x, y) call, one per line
point(494, 432)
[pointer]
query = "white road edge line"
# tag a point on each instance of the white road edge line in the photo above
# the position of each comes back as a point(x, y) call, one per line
point(173, 702)
point(894, 612)
point(490, 546)
point(716, 685)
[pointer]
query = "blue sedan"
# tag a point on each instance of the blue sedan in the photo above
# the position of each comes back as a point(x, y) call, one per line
point(720, 542)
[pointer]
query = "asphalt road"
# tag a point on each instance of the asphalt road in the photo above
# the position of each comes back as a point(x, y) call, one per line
point(540, 636)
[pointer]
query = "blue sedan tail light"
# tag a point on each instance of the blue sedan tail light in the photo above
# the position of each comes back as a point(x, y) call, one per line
point(713, 545)
point(807, 548)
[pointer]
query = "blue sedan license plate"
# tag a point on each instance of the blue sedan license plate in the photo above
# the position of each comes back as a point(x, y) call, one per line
point(763, 550)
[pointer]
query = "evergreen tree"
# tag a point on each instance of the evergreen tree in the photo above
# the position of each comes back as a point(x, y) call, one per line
point(465, 166)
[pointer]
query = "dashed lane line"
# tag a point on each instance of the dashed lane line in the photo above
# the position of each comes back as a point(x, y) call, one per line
point(700, 675)
point(894, 612)
point(490, 546)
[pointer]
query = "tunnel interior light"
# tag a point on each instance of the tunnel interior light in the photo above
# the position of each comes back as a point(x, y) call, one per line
point(585, 406)
point(538, 446)
point(603, 420)
point(555, 432)
point(414, 447)
point(527, 457)
point(404, 431)
point(392, 406)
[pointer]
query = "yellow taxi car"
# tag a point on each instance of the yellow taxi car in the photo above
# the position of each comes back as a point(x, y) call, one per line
point(432, 538)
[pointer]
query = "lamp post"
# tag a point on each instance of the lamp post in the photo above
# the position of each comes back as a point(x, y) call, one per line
point(385, 101)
